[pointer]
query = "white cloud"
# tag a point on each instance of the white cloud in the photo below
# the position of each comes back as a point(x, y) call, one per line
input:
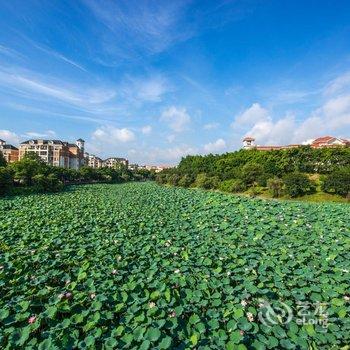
point(216, 146)
point(171, 154)
point(10, 137)
point(176, 117)
point(149, 26)
point(211, 126)
point(27, 83)
point(113, 135)
point(274, 133)
point(171, 138)
point(254, 114)
point(157, 155)
point(34, 134)
point(147, 129)
point(333, 117)
point(151, 90)
point(338, 84)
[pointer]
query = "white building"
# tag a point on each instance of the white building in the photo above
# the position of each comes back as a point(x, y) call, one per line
point(114, 162)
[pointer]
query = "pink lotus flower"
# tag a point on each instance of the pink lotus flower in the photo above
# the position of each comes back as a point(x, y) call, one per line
point(31, 319)
point(114, 272)
point(68, 295)
point(92, 295)
point(172, 314)
point(241, 332)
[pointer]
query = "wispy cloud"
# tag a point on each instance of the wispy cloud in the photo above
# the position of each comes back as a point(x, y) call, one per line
point(211, 126)
point(57, 55)
point(147, 129)
point(150, 26)
point(145, 89)
point(33, 85)
point(177, 118)
point(338, 84)
point(9, 137)
point(7, 51)
point(35, 134)
point(215, 146)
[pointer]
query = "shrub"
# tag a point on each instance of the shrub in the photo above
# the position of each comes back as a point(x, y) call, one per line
point(251, 172)
point(174, 179)
point(337, 182)
point(207, 182)
point(298, 184)
point(48, 183)
point(232, 186)
point(6, 181)
point(262, 179)
point(255, 190)
point(275, 185)
point(186, 181)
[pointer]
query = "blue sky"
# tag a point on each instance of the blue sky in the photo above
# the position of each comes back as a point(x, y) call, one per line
point(156, 80)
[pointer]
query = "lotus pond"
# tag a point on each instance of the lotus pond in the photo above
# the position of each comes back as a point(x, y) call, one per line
point(139, 266)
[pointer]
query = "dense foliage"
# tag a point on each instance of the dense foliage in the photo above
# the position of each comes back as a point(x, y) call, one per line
point(338, 182)
point(298, 184)
point(31, 173)
point(2, 160)
point(254, 170)
point(140, 266)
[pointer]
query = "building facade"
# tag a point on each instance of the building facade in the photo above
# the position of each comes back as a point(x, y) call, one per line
point(329, 141)
point(114, 162)
point(321, 142)
point(56, 152)
point(10, 153)
point(93, 162)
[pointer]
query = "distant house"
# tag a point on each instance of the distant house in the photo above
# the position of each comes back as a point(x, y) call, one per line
point(9, 152)
point(56, 152)
point(326, 141)
point(329, 141)
point(93, 162)
point(114, 162)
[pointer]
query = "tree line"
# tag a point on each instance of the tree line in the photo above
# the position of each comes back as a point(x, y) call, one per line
point(32, 175)
point(282, 172)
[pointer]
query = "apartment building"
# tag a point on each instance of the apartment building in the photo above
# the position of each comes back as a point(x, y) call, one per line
point(9, 152)
point(56, 152)
point(93, 162)
point(114, 162)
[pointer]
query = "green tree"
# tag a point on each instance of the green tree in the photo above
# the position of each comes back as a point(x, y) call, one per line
point(6, 180)
point(186, 180)
point(207, 182)
point(25, 169)
point(275, 185)
point(49, 183)
point(233, 186)
point(337, 182)
point(251, 172)
point(298, 184)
